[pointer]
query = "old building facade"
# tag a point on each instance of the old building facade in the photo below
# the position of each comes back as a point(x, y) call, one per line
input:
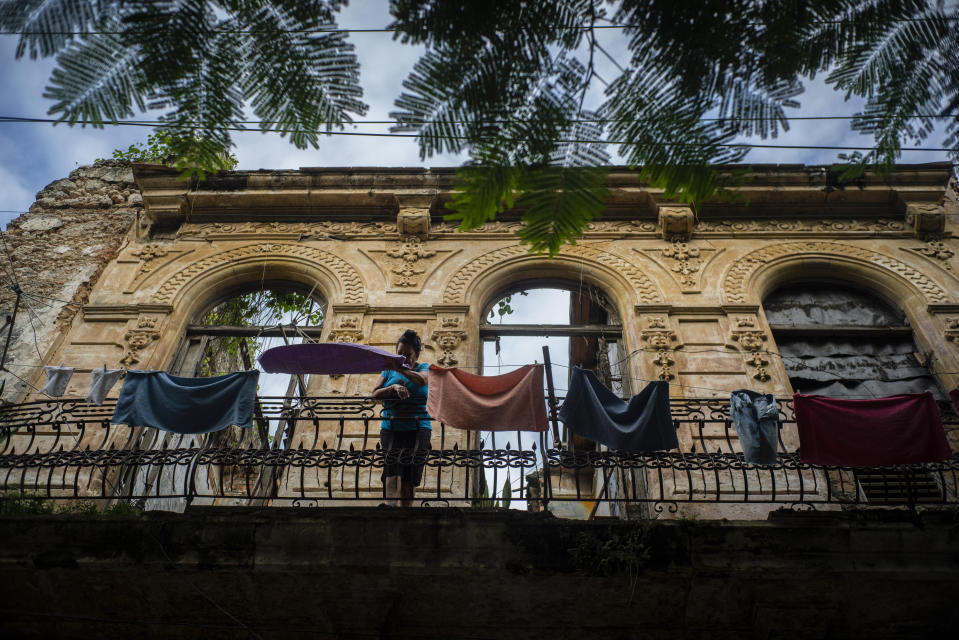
point(117, 263)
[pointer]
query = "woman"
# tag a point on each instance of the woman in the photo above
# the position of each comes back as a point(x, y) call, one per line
point(405, 423)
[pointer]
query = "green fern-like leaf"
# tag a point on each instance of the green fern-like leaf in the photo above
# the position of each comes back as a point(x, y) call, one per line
point(47, 26)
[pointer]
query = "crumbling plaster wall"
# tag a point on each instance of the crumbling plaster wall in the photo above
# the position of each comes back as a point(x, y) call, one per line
point(58, 250)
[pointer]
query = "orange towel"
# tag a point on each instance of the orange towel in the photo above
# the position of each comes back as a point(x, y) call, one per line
point(511, 401)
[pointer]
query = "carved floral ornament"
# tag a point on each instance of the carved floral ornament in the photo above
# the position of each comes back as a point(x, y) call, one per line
point(347, 329)
point(315, 230)
point(937, 250)
point(661, 342)
point(143, 334)
point(148, 254)
point(407, 274)
point(753, 343)
point(952, 329)
point(448, 337)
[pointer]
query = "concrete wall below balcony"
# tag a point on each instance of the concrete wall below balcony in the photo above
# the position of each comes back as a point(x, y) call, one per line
point(459, 573)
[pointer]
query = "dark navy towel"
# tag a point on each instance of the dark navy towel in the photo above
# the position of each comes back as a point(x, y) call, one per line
point(186, 405)
point(643, 424)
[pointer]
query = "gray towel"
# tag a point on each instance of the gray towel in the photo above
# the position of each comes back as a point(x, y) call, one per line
point(57, 380)
point(186, 405)
point(101, 381)
point(643, 424)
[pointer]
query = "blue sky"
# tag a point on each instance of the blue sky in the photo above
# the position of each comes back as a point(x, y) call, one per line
point(33, 155)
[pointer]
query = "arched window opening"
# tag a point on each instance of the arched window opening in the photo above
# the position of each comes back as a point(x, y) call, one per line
point(225, 337)
point(581, 328)
point(843, 342)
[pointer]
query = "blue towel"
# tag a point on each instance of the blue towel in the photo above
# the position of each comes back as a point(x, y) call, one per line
point(186, 405)
point(756, 418)
point(643, 424)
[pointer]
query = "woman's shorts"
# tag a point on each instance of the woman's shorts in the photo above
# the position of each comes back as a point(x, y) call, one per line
point(413, 442)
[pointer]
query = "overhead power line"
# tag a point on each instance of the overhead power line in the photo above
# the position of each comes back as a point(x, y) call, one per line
point(151, 122)
point(732, 145)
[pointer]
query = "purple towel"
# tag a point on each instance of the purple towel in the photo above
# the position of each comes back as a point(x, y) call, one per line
point(329, 358)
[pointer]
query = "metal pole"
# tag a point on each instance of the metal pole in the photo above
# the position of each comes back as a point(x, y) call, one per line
point(552, 395)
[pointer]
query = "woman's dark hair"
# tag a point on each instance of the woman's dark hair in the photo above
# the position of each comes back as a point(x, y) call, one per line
point(410, 338)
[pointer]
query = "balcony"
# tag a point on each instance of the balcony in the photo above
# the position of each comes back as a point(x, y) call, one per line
point(323, 451)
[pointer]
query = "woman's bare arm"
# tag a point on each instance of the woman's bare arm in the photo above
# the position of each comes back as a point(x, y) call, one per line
point(392, 391)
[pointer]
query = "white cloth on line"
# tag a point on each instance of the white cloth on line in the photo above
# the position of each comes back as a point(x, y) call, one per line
point(57, 380)
point(101, 381)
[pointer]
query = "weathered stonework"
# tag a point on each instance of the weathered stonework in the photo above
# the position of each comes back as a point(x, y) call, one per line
point(59, 249)
point(372, 244)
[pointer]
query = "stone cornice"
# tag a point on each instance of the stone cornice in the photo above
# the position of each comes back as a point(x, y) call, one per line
point(373, 193)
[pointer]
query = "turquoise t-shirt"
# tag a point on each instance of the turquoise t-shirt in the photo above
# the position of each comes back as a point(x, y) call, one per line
point(408, 414)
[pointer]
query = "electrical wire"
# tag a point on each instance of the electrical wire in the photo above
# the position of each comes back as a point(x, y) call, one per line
point(150, 122)
point(724, 145)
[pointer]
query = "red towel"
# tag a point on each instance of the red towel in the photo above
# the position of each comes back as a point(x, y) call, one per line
point(511, 401)
point(899, 429)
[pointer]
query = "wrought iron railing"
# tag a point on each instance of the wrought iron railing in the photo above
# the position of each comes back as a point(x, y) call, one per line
point(325, 450)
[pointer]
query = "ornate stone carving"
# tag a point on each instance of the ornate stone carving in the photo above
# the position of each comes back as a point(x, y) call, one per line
point(760, 226)
point(413, 222)
point(758, 364)
point(661, 341)
point(348, 277)
point(625, 227)
point(753, 343)
point(460, 281)
point(676, 222)
point(937, 250)
point(148, 254)
point(656, 322)
point(317, 230)
point(952, 329)
point(407, 274)
point(448, 337)
point(737, 278)
point(138, 338)
point(347, 330)
point(685, 261)
point(926, 217)
point(745, 321)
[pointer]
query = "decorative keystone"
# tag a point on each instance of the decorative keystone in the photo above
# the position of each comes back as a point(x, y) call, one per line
point(413, 222)
point(926, 218)
point(676, 222)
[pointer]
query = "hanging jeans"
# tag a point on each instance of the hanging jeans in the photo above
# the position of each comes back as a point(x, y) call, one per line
point(756, 418)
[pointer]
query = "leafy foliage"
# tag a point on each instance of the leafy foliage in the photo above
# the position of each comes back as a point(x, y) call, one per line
point(159, 147)
point(512, 83)
point(699, 76)
point(261, 308)
point(205, 60)
point(503, 307)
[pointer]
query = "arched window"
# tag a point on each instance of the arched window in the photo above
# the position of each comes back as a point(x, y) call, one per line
point(227, 336)
point(840, 341)
point(581, 327)
point(844, 342)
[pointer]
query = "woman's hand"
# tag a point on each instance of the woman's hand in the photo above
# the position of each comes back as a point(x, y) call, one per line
point(401, 392)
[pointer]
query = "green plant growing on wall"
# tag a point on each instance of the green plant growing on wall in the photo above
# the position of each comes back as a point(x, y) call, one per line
point(161, 147)
point(614, 553)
